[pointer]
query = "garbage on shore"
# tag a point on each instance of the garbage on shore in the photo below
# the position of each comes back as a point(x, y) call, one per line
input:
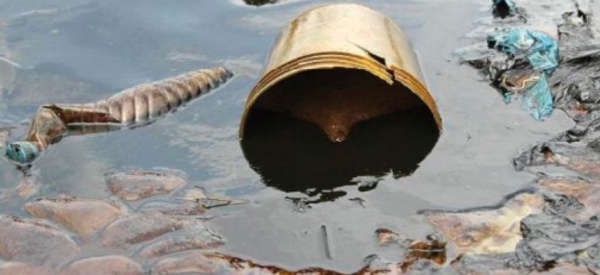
point(558, 231)
point(525, 60)
point(541, 60)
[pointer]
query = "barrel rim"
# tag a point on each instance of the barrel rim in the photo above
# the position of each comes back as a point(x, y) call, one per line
point(339, 60)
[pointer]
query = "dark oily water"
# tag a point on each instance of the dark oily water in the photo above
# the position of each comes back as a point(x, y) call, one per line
point(294, 156)
point(80, 51)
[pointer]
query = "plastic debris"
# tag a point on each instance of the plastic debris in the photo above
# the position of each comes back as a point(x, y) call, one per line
point(538, 100)
point(134, 107)
point(540, 49)
point(538, 53)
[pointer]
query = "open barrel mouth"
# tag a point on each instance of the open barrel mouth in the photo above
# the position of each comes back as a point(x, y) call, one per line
point(336, 99)
point(342, 95)
point(292, 154)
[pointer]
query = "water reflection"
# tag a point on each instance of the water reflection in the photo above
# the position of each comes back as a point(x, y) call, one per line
point(295, 156)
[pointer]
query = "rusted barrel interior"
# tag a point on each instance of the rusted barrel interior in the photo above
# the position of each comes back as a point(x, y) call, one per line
point(336, 99)
point(338, 65)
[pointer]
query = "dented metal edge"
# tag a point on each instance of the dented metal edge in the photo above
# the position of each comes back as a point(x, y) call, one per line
point(339, 60)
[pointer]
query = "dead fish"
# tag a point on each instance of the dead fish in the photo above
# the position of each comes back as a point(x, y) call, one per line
point(84, 216)
point(134, 185)
point(484, 231)
point(112, 264)
point(137, 106)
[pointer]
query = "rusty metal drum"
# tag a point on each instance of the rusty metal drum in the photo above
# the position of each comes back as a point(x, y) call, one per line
point(337, 65)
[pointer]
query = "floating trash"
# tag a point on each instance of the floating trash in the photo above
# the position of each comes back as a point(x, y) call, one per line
point(137, 106)
point(537, 101)
point(540, 49)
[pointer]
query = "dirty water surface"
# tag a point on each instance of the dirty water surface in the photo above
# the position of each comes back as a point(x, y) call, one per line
point(81, 51)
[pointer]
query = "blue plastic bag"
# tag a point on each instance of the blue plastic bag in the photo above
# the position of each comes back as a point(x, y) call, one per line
point(537, 101)
point(540, 49)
